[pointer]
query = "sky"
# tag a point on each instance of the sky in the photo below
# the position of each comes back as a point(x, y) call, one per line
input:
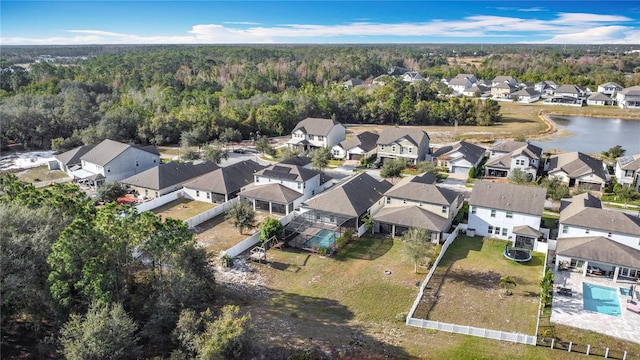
point(319, 22)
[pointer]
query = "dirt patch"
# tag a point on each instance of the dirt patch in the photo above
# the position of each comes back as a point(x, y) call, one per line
point(219, 233)
point(183, 209)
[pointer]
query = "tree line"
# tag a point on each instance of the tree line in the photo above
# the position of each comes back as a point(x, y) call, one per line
point(153, 94)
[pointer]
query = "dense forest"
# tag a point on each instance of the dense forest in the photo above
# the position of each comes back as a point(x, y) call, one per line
point(157, 94)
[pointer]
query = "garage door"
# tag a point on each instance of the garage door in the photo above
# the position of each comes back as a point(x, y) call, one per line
point(460, 170)
point(356, 156)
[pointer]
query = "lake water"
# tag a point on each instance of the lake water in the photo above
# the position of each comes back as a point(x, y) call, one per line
point(594, 135)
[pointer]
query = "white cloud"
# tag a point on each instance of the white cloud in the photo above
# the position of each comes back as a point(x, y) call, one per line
point(565, 28)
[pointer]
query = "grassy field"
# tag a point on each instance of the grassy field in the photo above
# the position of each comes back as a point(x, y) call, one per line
point(40, 173)
point(465, 288)
point(183, 209)
point(348, 302)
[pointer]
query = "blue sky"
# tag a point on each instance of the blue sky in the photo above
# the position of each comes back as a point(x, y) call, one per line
point(319, 22)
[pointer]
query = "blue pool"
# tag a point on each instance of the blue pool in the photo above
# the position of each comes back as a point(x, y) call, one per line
point(323, 239)
point(601, 299)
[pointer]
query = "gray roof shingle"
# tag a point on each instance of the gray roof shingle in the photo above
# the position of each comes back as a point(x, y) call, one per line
point(577, 164)
point(366, 140)
point(73, 156)
point(599, 249)
point(108, 150)
point(390, 135)
point(227, 179)
point(412, 216)
point(316, 126)
point(509, 197)
point(470, 152)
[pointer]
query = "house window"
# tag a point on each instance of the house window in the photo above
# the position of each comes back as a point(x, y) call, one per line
point(410, 149)
point(444, 209)
point(208, 195)
point(509, 214)
point(490, 231)
point(156, 194)
point(565, 229)
point(317, 217)
point(320, 137)
point(197, 193)
point(388, 200)
point(504, 231)
point(146, 192)
point(108, 170)
point(473, 209)
point(299, 185)
point(609, 234)
point(497, 231)
point(493, 213)
point(154, 161)
point(393, 148)
point(420, 204)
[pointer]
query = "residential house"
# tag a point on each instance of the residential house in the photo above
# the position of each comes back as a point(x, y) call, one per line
point(610, 89)
point(396, 71)
point(476, 90)
point(600, 99)
point(112, 161)
point(502, 91)
point(526, 95)
point(222, 184)
point(69, 161)
point(349, 203)
point(578, 169)
point(547, 87)
point(501, 79)
point(628, 171)
point(589, 235)
point(416, 202)
point(165, 178)
point(281, 188)
point(510, 155)
point(461, 82)
point(509, 212)
point(313, 133)
point(411, 76)
point(356, 147)
point(569, 91)
point(629, 98)
point(405, 143)
point(459, 157)
point(298, 160)
point(352, 83)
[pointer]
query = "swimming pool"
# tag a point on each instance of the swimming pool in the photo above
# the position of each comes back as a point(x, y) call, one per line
point(323, 239)
point(601, 299)
point(624, 291)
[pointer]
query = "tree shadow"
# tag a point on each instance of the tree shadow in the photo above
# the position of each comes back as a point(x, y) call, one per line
point(480, 280)
point(287, 324)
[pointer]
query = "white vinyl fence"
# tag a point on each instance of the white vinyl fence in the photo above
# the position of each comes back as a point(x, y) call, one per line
point(159, 201)
point(460, 329)
point(252, 240)
point(211, 213)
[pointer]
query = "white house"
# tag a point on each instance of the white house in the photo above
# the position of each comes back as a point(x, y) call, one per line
point(507, 156)
point(458, 157)
point(590, 235)
point(526, 95)
point(501, 79)
point(629, 98)
point(112, 161)
point(508, 212)
point(312, 133)
point(356, 147)
point(628, 170)
point(610, 88)
point(461, 82)
point(547, 87)
point(599, 99)
point(569, 91)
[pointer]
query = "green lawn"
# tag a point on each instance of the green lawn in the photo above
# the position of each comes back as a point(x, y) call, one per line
point(465, 288)
point(549, 219)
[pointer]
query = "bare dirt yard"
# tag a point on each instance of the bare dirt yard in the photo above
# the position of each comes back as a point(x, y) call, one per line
point(183, 209)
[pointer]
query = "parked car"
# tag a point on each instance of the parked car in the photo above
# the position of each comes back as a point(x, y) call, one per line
point(239, 151)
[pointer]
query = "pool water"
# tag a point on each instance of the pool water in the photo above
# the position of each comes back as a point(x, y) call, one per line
point(624, 291)
point(601, 299)
point(323, 239)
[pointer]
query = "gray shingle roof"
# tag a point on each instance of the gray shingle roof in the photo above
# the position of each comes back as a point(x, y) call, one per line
point(525, 230)
point(412, 216)
point(631, 91)
point(271, 192)
point(352, 197)
point(568, 89)
point(366, 140)
point(599, 97)
point(507, 146)
point(586, 211)
point(599, 249)
point(509, 197)
point(526, 92)
point(287, 172)
point(629, 162)
point(577, 164)
point(169, 174)
point(108, 150)
point(390, 135)
point(316, 126)
point(73, 156)
point(297, 160)
point(418, 191)
point(470, 152)
point(501, 162)
point(227, 179)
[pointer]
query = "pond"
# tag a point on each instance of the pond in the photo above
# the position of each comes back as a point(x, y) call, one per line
point(594, 135)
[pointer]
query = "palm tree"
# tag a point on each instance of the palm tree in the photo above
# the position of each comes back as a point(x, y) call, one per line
point(506, 283)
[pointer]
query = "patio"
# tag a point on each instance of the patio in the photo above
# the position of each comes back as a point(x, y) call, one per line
point(570, 310)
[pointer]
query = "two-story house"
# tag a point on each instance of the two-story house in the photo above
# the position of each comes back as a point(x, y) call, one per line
point(356, 147)
point(502, 91)
point(509, 212)
point(546, 87)
point(416, 202)
point(629, 98)
point(506, 156)
point(69, 161)
point(403, 143)
point(590, 236)
point(610, 88)
point(165, 178)
point(458, 157)
point(281, 188)
point(578, 169)
point(222, 184)
point(313, 133)
point(348, 204)
point(628, 171)
point(568, 94)
point(461, 82)
point(502, 79)
point(112, 161)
